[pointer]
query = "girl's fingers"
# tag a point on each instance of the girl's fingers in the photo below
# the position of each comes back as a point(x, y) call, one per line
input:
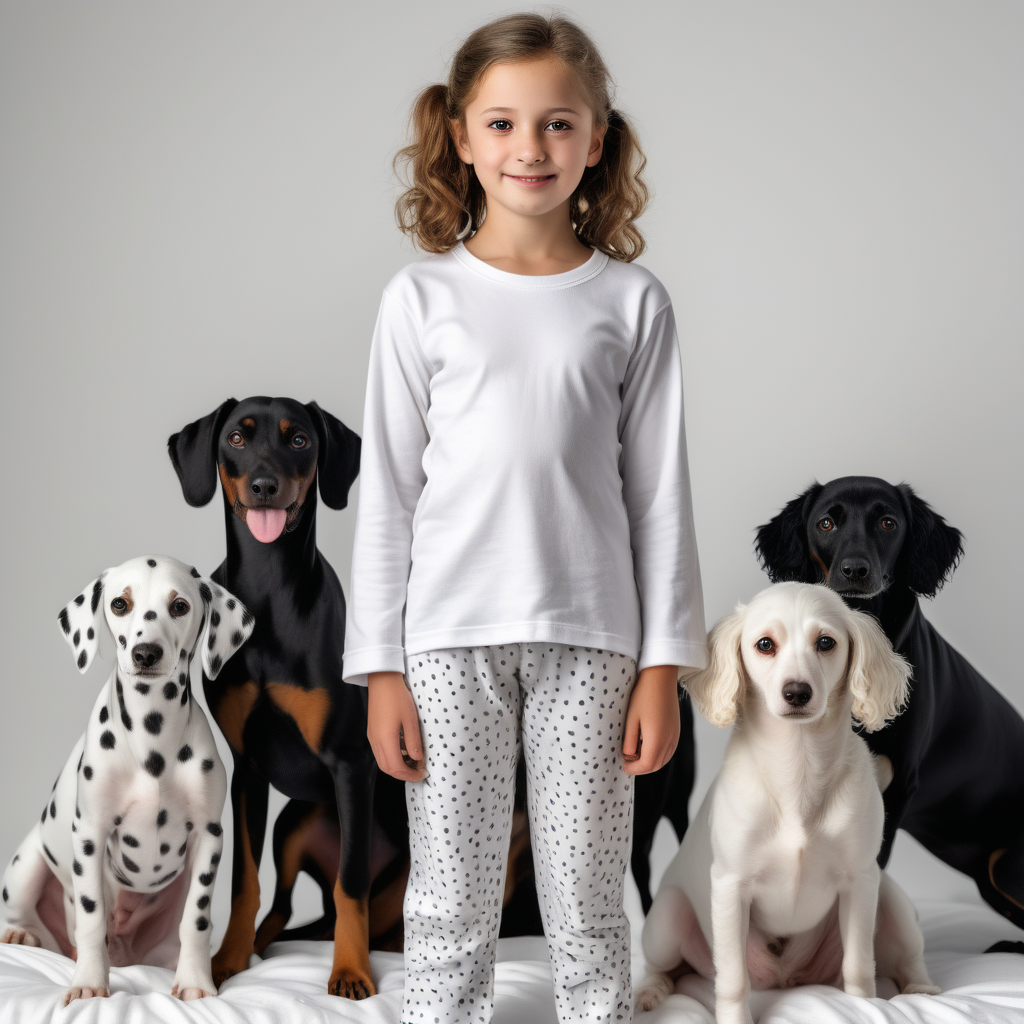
point(631, 742)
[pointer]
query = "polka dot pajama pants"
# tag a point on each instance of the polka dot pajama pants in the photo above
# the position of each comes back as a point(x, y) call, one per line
point(569, 706)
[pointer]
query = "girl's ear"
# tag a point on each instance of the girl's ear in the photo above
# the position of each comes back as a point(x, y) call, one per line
point(932, 547)
point(878, 677)
point(718, 689)
point(781, 544)
point(337, 463)
point(457, 130)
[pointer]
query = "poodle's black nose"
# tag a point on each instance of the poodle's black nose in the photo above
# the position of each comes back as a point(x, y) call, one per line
point(797, 694)
point(146, 655)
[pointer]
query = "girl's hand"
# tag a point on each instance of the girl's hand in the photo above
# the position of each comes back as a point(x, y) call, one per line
point(652, 720)
point(393, 727)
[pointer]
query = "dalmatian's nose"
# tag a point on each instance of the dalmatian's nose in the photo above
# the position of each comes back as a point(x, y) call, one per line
point(146, 655)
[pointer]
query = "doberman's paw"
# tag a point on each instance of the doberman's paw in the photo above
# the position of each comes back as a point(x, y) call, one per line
point(351, 984)
point(19, 937)
point(85, 993)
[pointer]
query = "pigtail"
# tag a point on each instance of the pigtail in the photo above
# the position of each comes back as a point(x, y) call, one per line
point(444, 200)
point(613, 194)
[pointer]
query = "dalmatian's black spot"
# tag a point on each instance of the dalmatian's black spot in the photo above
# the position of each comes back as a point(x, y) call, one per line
point(184, 696)
point(90, 633)
point(80, 600)
point(87, 772)
point(207, 764)
point(123, 642)
point(237, 637)
point(46, 850)
point(77, 638)
point(216, 663)
point(164, 880)
point(195, 572)
point(156, 868)
point(122, 877)
point(206, 878)
point(130, 864)
point(215, 618)
point(97, 589)
point(214, 828)
point(17, 857)
point(81, 758)
point(74, 827)
point(170, 691)
point(182, 848)
point(247, 617)
point(107, 740)
point(183, 677)
point(82, 659)
point(153, 722)
point(151, 562)
point(53, 809)
point(165, 847)
point(126, 719)
point(104, 714)
point(188, 826)
point(42, 820)
point(150, 616)
point(129, 840)
point(76, 867)
point(88, 905)
point(88, 847)
point(5, 894)
point(202, 924)
point(65, 621)
point(211, 641)
point(215, 859)
point(185, 754)
point(142, 688)
point(205, 593)
point(231, 604)
point(155, 764)
point(55, 781)
point(117, 819)
point(161, 819)
point(78, 811)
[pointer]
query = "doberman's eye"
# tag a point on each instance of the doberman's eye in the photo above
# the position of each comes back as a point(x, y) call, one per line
point(119, 606)
point(826, 524)
point(825, 643)
point(888, 523)
point(766, 645)
point(300, 441)
point(179, 607)
point(235, 439)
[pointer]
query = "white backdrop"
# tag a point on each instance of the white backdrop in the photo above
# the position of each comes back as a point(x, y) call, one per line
point(197, 203)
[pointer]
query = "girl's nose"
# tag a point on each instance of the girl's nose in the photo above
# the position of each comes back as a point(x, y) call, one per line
point(531, 150)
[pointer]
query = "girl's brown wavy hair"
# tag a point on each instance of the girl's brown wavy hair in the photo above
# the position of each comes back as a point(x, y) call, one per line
point(445, 201)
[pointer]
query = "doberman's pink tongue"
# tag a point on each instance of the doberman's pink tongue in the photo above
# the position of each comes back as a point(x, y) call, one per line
point(265, 524)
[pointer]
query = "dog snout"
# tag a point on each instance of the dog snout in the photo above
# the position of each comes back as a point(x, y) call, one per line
point(264, 487)
point(146, 655)
point(855, 569)
point(796, 694)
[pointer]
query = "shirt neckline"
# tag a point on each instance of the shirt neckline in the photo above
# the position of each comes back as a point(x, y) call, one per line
point(528, 282)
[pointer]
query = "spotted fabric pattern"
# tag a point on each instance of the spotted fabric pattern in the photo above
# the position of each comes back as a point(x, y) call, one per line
point(567, 707)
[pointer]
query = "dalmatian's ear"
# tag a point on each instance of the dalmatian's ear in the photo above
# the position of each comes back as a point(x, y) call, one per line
point(80, 621)
point(227, 625)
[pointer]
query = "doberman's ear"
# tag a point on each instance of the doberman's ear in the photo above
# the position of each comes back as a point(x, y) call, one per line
point(338, 461)
point(932, 548)
point(781, 544)
point(193, 452)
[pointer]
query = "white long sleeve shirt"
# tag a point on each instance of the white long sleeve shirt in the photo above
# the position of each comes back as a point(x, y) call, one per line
point(524, 472)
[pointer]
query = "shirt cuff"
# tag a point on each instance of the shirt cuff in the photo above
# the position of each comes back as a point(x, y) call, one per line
point(682, 653)
point(356, 664)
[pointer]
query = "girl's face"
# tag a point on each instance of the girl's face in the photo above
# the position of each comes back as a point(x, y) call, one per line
point(529, 135)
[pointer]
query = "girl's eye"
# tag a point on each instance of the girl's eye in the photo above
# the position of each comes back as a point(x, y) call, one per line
point(235, 438)
point(560, 126)
point(765, 645)
point(826, 524)
point(500, 125)
point(300, 441)
point(888, 523)
point(179, 608)
point(119, 606)
point(825, 643)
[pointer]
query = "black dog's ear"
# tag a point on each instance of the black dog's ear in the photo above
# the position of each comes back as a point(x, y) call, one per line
point(781, 544)
point(932, 548)
point(338, 462)
point(193, 451)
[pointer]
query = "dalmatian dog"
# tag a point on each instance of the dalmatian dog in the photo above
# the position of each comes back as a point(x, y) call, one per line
point(120, 867)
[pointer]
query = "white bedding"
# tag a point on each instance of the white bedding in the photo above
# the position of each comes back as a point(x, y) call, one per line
point(289, 985)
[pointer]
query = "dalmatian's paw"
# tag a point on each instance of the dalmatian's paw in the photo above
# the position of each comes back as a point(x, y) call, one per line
point(190, 983)
point(192, 992)
point(19, 937)
point(85, 992)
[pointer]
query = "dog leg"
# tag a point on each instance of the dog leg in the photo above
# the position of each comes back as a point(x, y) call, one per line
point(193, 978)
point(857, 906)
point(730, 924)
point(249, 794)
point(899, 944)
point(672, 938)
point(92, 969)
point(23, 884)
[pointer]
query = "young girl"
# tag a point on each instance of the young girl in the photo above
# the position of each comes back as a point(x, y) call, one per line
point(524, 541)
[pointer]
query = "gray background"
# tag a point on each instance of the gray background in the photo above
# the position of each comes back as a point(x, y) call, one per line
point(197, 203)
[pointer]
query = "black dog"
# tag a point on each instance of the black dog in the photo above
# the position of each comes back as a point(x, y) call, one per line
point(957, 751)
point(281, 703)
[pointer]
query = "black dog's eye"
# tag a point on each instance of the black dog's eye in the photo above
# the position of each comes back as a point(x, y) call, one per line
point(300, 441)
point(179, 607)
point(825, 643)
point(825, 523)
point(235, 439)
point(119, 606)
point(765, 645)
point(888, 523)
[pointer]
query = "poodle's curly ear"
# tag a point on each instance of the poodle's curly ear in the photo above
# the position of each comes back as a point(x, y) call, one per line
point(781, 543)
point(718, 689)
point(879, 678)
point(193, 452)
point(932, 548)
